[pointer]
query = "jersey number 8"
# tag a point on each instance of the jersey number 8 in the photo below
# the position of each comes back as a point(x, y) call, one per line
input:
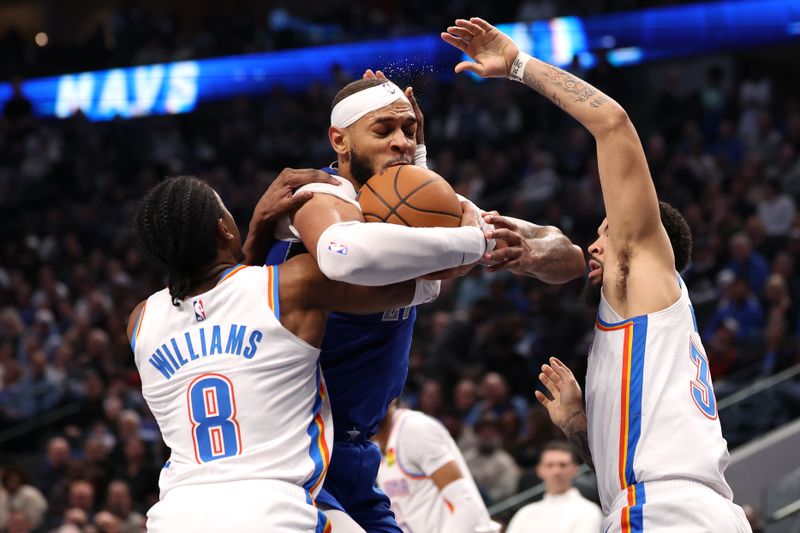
point(212, 411)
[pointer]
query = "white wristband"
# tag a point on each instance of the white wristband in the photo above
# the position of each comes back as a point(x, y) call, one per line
point(421, 156)
point(517, 71)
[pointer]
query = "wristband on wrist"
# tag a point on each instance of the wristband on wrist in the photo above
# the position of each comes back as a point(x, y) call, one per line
point(421, 156)
point(517, 71)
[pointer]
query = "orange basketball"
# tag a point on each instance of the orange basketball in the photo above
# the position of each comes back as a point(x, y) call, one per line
point(410, 196)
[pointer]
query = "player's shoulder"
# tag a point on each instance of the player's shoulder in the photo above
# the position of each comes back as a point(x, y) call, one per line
point(418, 423)
point(135, 317)
point(344, 191)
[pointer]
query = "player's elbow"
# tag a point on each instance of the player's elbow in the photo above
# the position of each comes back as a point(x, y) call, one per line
point(615, 120)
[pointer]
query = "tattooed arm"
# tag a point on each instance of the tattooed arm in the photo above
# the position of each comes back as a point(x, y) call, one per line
point(566, 406)
point(628, 191)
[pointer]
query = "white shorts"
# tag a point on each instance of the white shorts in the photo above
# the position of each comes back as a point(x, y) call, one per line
point(252, 506)
point(678, 506)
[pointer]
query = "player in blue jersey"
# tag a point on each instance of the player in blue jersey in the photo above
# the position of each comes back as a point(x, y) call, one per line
point(375, 125)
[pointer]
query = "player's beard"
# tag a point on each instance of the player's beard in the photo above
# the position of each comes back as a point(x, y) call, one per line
point(591, 295)
point(360, 167)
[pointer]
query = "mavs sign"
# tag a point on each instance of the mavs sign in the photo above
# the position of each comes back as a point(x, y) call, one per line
point(129, 92)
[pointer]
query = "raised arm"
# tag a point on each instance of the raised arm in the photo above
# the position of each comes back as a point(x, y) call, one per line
point(628, 190)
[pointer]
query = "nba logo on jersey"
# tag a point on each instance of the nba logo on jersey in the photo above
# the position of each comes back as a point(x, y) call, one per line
point(337, 248)
point(199, 310)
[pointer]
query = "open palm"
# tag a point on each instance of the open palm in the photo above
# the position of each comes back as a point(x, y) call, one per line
point(564, 389)
point(493, 51)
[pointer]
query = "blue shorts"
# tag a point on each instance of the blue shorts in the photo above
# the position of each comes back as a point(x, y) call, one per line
point(350, 486)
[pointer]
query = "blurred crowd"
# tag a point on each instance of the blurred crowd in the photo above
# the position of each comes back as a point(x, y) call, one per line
point(129, 32)
point(81, 452)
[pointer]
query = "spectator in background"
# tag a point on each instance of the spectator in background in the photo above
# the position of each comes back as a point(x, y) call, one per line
point(780, 350)
point(18, 522)
point(120, 504)
point(740, 305)
point(747, 263)
point(496, 399)
point(80, 497)
point(21, 497)
point(493, 469)
point(776, 210)
point(52, 478)
point(563, 509)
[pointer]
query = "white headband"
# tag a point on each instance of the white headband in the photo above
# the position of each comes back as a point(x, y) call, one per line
point(357, 105)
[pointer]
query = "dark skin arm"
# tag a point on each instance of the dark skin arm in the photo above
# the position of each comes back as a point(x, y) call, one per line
point(277, 202)
point(541, 252)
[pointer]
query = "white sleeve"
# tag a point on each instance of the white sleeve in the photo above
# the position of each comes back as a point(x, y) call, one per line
point(465, 511)
point(378, 254)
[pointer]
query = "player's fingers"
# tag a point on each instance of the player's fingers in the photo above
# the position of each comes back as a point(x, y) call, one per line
point(309, 175)
point(548, 383)
point(368, 74)
point(299, 199)
point(461, 33)
point(471, 27)
point(455, 41)
point(562, 369)
point(512, 238)
point(544, 400)
point(482, 24)
point(380, 75)
point(501, 222)
point(505, 254)
point(475, 68)
point(550, 372)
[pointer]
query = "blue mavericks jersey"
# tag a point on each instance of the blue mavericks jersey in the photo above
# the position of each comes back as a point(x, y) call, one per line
point(364, 359)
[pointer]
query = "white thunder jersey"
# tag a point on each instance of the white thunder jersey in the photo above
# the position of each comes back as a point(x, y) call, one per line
point(652, 415)
point(235, 394)
point(417, 447)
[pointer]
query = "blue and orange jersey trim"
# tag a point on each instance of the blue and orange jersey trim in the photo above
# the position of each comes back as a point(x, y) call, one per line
point(229, 273)
point(323, 522)
point(632, 381)
point(137, 326)
point(632, 519)
point(273, 297)
point(318, 450)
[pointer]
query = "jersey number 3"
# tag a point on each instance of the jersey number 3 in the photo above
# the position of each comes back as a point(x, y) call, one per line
point(700, 387)
point(212, 411)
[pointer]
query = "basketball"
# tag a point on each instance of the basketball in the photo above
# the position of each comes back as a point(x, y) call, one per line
point(411, 196)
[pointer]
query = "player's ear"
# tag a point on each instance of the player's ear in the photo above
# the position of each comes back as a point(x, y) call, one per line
point(340, 140)
point(224, 232)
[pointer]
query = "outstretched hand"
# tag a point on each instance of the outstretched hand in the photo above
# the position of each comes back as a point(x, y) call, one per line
point(492, 51)
point(567, 398)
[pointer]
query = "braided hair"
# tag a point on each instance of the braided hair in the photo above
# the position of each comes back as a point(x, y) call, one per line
point(175, 225)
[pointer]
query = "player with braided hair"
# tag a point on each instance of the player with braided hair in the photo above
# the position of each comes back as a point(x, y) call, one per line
point(228, 356)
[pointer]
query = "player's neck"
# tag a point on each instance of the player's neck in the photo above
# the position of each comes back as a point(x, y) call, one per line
point(210, 277)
